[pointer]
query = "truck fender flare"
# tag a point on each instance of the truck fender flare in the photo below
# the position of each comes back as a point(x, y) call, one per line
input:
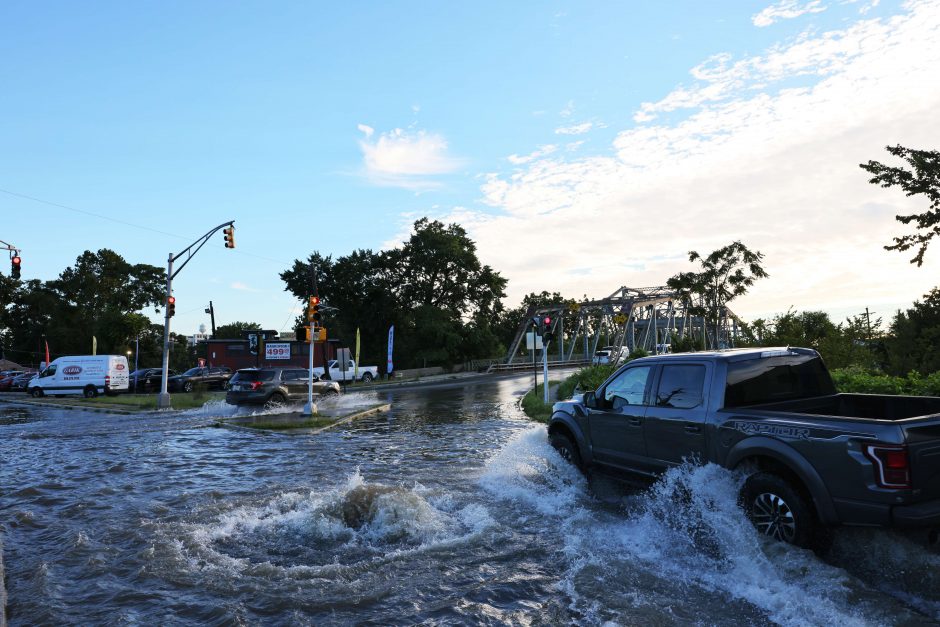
point(768, 447)
point(565, 423)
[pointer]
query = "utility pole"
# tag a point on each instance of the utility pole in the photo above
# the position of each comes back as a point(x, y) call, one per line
point(163, 399)
point(211, 311)
point(868, 321)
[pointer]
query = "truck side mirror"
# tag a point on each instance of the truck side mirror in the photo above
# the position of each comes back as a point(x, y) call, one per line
point(590, 400)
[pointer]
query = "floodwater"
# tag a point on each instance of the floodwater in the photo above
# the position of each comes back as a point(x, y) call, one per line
point(449, 509)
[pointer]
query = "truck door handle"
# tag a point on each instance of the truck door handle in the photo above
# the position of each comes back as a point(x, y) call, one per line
point(693, 429)
point(634, 421)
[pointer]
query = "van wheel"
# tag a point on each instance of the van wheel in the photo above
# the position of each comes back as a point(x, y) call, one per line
point(36, 392)
point(91, 391)
point(781, 511)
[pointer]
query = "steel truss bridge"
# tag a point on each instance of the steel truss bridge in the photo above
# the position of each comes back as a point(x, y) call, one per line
point(645, 318)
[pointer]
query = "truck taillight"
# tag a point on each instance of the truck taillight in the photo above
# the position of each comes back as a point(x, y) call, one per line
point(891, 463)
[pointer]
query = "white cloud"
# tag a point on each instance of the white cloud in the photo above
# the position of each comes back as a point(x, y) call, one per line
point(786, 10)
point(568, 110)
point(402, 158)
point(777, 169)
point(575, 129)
point(238, 285)
point(540, 152)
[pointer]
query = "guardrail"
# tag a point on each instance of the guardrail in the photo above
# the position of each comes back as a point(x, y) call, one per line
point(516, 366)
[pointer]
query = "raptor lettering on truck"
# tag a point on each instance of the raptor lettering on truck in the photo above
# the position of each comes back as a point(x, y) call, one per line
point(781, 431)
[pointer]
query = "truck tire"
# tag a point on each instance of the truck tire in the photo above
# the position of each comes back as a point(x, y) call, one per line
point(567, 449)
point(781, 511)
point(188, 386)
point(367, 377)
point(90, 391)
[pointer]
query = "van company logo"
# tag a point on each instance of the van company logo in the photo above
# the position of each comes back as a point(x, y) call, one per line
point(71, 370)
point(119, 366)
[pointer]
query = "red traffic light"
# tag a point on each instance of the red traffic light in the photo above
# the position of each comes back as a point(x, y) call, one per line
point(16, 261)
point(547, 320)
point(171, 300)
point(314, 301)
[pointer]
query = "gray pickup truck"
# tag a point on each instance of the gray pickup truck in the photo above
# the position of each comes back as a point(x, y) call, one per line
point(813, 458)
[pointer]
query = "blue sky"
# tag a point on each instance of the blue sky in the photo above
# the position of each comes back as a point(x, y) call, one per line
point(584, 145)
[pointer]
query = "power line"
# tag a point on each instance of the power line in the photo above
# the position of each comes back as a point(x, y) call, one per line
point(126, 223)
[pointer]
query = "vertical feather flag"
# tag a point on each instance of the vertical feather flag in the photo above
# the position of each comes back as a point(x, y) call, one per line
point(391, 342)
point(94, 345)
point(47, 352)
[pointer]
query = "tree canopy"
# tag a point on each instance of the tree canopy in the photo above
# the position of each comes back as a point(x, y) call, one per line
point(102, 295)
point(922, 179)
point(445, 304)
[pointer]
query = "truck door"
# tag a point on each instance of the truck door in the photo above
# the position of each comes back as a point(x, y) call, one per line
point(675, 420)
point(616, 424)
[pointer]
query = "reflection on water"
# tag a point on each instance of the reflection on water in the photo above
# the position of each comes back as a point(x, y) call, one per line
point(449, 509)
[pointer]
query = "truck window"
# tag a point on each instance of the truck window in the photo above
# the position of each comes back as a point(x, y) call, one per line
point(681, 386)
point(779, 378)
point(628, 388)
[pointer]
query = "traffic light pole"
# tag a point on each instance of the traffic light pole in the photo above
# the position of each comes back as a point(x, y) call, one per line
point(545, 373)
point(163, 399)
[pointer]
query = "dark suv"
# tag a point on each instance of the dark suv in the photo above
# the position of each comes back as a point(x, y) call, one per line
point(210, 378)
point(275, 386)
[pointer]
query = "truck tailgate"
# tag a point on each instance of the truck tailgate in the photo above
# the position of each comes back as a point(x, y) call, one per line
point(923, 441)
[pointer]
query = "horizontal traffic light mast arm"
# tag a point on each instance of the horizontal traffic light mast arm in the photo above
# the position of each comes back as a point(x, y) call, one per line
point(193, 248)
point(13, 249)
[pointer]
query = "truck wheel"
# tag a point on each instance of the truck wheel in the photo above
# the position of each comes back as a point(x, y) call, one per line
point(36, 392)
point(91, 391)
point(567, 449)
point(188, 386)
point(781, 511)
point(367, 377)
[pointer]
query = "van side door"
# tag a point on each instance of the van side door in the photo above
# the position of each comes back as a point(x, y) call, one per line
point(675, 420)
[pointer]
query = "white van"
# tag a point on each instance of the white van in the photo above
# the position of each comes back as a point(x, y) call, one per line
point(89, 375)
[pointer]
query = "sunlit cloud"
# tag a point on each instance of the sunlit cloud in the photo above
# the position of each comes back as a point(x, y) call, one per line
point(786, 10)
point(753, 158)
point(405, 158)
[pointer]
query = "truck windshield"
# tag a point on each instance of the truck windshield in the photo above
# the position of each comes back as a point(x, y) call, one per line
point(779, 378)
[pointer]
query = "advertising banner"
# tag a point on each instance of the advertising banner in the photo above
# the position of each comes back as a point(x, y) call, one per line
point(391, 342)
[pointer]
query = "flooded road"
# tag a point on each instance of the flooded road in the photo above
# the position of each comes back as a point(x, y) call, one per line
point(449, 509)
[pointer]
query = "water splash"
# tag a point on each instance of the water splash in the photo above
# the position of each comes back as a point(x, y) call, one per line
point(685, 534)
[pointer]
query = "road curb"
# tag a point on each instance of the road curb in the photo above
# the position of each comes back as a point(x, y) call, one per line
point(98, 410)
point(308, 431)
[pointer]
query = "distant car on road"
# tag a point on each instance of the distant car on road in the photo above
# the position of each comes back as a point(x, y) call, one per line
point(275, 386)
point(147, 379)
point(212, 378)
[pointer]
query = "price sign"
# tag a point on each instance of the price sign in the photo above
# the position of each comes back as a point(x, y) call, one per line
point(277, 350)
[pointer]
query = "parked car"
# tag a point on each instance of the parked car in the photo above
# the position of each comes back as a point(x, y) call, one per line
point(814, 458)
point(212, 378)
point(6, 381)
point(275, 386)
point(601, 357)
point(147, 379)
point(21, 382)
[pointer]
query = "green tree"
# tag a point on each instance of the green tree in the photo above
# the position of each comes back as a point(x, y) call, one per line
point(444, 303)
point(234, 330)
point(914, 336)
point(922, 179)
point(725, 274)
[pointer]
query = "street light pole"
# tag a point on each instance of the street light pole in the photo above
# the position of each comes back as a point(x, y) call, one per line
point(163, 399)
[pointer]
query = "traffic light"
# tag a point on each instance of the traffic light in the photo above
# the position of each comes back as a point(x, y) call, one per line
point(302, 334)
point(15, 267)
point(229, 234)
point(546, 329)
point(170, 306)
point(313, 312)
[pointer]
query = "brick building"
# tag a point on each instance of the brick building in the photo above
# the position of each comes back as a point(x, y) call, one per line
point(236, 354)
